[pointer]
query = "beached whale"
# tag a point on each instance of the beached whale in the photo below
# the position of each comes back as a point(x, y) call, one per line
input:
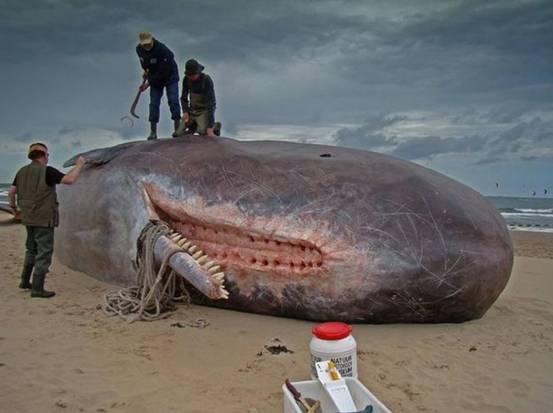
point(306, 231)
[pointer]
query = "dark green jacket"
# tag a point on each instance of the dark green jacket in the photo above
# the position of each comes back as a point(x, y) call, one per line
point(37, 200)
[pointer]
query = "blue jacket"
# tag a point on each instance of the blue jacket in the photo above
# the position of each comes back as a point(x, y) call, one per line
point(160, 63)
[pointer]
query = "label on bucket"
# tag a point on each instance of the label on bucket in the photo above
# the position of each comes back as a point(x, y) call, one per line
point(344, 364)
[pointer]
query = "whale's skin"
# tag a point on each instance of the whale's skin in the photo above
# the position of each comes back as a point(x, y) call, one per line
point(372, 238)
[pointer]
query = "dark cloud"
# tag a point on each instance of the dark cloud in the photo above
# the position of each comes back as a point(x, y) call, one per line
point(368, 135)
point(371, 135)
point(507, 114)
point(330, 61)
point(487, 160)
point(522, 141)
point(430, 146)
point(26, 137)
point(66, 131)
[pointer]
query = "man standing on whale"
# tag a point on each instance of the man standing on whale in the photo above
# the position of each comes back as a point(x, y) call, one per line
point(160, 69)
point(34, 187)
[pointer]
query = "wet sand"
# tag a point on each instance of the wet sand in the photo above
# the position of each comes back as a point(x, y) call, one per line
point(65, 355)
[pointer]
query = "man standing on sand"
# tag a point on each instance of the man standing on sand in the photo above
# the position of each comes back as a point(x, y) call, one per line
point(160, 69)
point(35, 188)
point(199, 111)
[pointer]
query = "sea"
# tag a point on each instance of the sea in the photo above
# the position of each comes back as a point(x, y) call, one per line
point(520, 214)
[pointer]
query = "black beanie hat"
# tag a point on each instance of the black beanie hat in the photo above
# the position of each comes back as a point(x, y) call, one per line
point(192, 67)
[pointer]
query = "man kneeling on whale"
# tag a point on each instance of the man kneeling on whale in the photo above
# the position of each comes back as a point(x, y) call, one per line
point(199, 111)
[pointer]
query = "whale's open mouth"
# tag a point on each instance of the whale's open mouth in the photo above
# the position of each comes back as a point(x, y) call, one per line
point(225, 246)
point(231, 246)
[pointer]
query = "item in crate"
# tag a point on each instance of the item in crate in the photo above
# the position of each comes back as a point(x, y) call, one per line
point(362, 397)
point(314, 408)
point(335, 386)
point(334, 374)
point(368, 409)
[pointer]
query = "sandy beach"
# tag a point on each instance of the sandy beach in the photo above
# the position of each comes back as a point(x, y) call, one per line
point(65, 355)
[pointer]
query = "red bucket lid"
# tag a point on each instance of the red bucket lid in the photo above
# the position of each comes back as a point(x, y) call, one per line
point(332, 330)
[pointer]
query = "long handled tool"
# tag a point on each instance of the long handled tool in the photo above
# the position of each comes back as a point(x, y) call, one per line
point(143, 86)
point(297, 396)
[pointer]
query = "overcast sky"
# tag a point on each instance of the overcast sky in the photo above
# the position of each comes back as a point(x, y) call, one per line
point(464, 87)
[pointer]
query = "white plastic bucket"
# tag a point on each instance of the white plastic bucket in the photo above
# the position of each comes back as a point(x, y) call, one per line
point(333, 341)
point(314, 390)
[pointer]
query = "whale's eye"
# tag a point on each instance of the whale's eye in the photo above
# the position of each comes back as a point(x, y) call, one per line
point(325, 155)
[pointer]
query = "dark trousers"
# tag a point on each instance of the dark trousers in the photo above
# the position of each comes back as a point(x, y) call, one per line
point(172, 98)
point(39, 248)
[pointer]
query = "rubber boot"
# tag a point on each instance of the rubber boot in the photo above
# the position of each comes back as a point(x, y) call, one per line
point(217, 128)
point(179, 128)
point(25, 283)
point(38, 287)
point(153, 131)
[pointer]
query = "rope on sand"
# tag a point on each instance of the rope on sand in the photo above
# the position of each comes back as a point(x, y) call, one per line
point(157, 291)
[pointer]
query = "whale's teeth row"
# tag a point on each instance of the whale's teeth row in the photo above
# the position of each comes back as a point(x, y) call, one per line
point(212, 268)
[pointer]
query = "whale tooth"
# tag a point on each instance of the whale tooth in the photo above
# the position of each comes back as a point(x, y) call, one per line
point(214, 269)
point(197, 254)
point(176, 238)
point(210, 264)
point(192, 249)
point(186, 245)
point(223, 293)
point(219, 276)
point(182, 242)
point(202, 259)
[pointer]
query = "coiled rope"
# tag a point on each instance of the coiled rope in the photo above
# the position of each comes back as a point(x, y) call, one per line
point(157, 291)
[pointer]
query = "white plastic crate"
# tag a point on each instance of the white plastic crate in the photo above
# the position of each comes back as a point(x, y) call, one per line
point(312, 389)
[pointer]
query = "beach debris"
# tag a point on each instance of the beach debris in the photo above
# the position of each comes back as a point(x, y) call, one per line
point(275, 347)
point(158, 289)
point(198, 323)
point(473, 348)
